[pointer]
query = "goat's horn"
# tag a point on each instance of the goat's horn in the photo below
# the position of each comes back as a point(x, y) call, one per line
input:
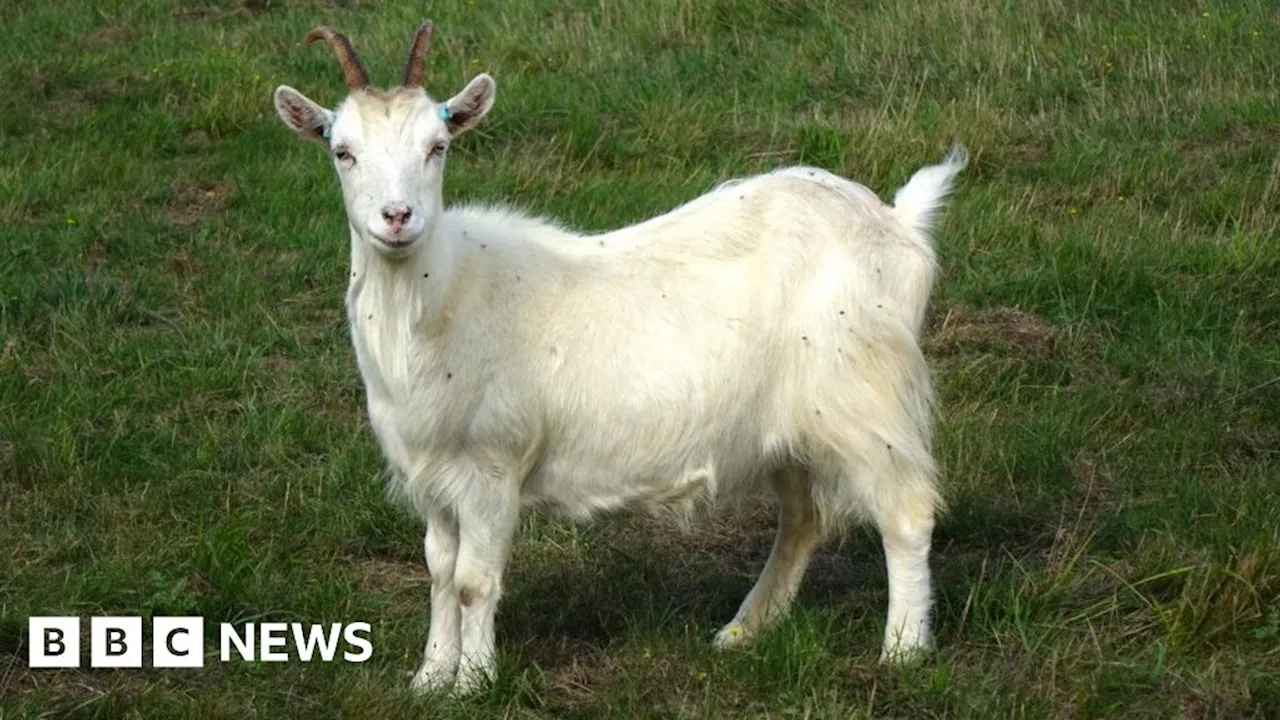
point(415, 65)
point(357, 78)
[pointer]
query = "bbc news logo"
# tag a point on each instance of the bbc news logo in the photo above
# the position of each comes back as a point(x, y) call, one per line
point(178, 642)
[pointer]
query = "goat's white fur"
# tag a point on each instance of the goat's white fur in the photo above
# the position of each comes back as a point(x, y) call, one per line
point(761, 336)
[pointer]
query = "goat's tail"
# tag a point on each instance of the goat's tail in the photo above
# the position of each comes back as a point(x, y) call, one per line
point(917, 203)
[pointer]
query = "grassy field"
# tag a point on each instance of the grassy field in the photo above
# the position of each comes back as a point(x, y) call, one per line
point(182, 427)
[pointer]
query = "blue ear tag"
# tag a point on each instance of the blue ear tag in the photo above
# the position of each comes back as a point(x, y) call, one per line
point(445, 113)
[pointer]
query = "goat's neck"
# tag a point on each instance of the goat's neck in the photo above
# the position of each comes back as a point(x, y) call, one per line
point(408, 289)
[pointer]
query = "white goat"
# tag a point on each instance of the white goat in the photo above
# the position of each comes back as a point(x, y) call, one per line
point(762, 336)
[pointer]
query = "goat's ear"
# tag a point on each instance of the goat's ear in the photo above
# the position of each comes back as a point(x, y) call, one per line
point(302, 115)
point(467, 107)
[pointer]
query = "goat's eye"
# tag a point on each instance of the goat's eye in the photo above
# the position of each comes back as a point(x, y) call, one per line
point(436, 150)
point(344, 157)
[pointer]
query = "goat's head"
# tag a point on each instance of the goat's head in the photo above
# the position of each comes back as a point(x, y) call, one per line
point(388, 146)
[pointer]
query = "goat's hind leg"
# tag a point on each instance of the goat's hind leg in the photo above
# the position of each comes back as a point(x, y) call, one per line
point(793, 547)
point(444, 638)
point(906, 527)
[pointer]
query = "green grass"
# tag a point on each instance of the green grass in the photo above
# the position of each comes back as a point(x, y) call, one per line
point(181, 421)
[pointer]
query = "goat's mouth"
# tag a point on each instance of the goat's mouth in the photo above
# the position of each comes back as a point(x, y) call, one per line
point(395, 243)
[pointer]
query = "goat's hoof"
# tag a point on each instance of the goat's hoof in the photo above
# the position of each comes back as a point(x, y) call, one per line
point(430, 680)
point(732, 635)
point(471, 681)
point(902, 654)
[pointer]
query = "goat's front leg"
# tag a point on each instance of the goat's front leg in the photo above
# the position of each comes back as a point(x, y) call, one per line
point(444, 639)
point(487, 521)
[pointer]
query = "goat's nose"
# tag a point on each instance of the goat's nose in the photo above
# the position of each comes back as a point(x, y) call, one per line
point(396, 215)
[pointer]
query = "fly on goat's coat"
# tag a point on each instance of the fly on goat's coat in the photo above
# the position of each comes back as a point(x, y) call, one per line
point(734, 384)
